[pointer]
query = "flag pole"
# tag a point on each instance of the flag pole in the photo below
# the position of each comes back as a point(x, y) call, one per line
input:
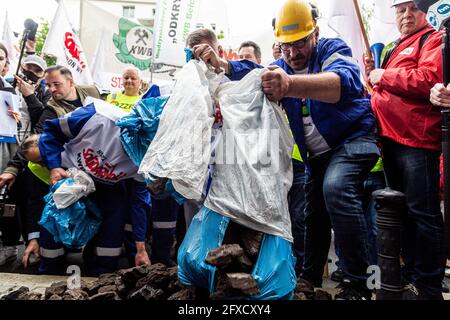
point(362, 29)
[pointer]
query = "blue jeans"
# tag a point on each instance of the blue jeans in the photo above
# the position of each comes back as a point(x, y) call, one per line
point(375, 181)
point(334, 192)
point(415, 172)
point(296, 200)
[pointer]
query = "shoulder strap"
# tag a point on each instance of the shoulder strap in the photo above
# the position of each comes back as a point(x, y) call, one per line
point(424, 38)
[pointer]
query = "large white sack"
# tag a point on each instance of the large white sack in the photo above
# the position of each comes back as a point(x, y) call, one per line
point(250, 185)
point(181, 149)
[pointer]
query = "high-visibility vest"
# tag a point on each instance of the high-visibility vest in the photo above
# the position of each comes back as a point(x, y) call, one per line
point(378, 167)
point(295, 151)
point(40, 171)
point(123, 101)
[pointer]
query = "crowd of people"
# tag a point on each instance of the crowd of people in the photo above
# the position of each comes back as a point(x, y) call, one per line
point(348, 143)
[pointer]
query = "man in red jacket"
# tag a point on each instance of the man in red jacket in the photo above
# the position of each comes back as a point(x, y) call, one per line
point(410, 134)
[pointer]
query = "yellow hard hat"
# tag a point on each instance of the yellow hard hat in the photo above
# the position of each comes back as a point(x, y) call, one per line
point(294, 21)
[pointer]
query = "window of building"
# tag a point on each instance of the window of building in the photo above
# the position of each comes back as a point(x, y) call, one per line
point(128, 11)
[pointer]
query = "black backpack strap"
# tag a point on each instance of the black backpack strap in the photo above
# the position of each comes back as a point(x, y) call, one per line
point(424, 38)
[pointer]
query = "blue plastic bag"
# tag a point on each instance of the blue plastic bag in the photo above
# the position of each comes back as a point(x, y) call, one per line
point(189, 54)
point(273, 272)
point(73, 226)
point(138, 130)
point(139, 127)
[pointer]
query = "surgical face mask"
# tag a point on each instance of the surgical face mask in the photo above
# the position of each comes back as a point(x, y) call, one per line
point(29, 76)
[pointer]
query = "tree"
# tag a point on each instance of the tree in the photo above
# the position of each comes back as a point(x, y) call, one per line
point(367, 14)
point(41, 35)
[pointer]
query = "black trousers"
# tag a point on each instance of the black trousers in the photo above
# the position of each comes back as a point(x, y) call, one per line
point(28, 194)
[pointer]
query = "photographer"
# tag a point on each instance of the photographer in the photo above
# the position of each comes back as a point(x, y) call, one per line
point(35, 93)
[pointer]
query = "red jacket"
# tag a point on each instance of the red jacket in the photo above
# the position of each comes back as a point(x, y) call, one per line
point(401, 100)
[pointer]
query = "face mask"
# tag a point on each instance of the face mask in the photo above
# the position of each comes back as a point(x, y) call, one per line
point(28, 75)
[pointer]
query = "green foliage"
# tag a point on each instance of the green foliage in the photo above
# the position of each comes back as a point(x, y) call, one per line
point(41, 35)
point(367, 14)
point(221, 35)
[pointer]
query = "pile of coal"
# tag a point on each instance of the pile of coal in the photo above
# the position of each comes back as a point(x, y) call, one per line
point(235, 260)
point(154, 282)
point(305, 291)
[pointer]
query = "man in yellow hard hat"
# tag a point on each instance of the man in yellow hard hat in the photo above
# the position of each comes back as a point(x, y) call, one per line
point(318, 83)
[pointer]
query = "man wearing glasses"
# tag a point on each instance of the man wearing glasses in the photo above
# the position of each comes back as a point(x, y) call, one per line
point(410, 130)
point(318, 83)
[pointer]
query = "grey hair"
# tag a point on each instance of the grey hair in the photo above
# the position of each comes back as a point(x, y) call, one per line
point(133, 68)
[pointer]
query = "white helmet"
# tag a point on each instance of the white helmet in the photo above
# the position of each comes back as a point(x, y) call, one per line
point(397, 2)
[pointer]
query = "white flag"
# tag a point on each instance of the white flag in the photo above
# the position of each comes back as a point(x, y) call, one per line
point(11, 43)
point(383, 28)
point(343, 20)
point(98, 63)
point(173, 22)
point(63, 42)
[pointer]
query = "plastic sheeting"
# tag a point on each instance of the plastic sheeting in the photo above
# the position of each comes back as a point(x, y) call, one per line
point(253, 163)
point(73, 189)
point(73, 226)
point(181, 149)
point(273, 272)
point(139, 127)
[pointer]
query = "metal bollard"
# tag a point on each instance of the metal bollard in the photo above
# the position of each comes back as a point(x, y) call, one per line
point(391, 207)
point(446, 167)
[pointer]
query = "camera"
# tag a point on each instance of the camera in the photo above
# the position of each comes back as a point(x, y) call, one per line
point(28, 77)
point(23, 77)
point(7, 209)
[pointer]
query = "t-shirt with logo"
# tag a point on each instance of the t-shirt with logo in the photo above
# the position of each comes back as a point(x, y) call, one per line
point(315, 142)
point(123, 101)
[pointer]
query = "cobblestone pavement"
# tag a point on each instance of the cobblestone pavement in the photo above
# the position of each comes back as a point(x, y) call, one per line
point(13, 275)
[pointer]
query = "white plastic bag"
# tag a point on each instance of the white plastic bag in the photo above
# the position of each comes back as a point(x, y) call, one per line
point(72, 190)
point(253, 164)
point(181, 149)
